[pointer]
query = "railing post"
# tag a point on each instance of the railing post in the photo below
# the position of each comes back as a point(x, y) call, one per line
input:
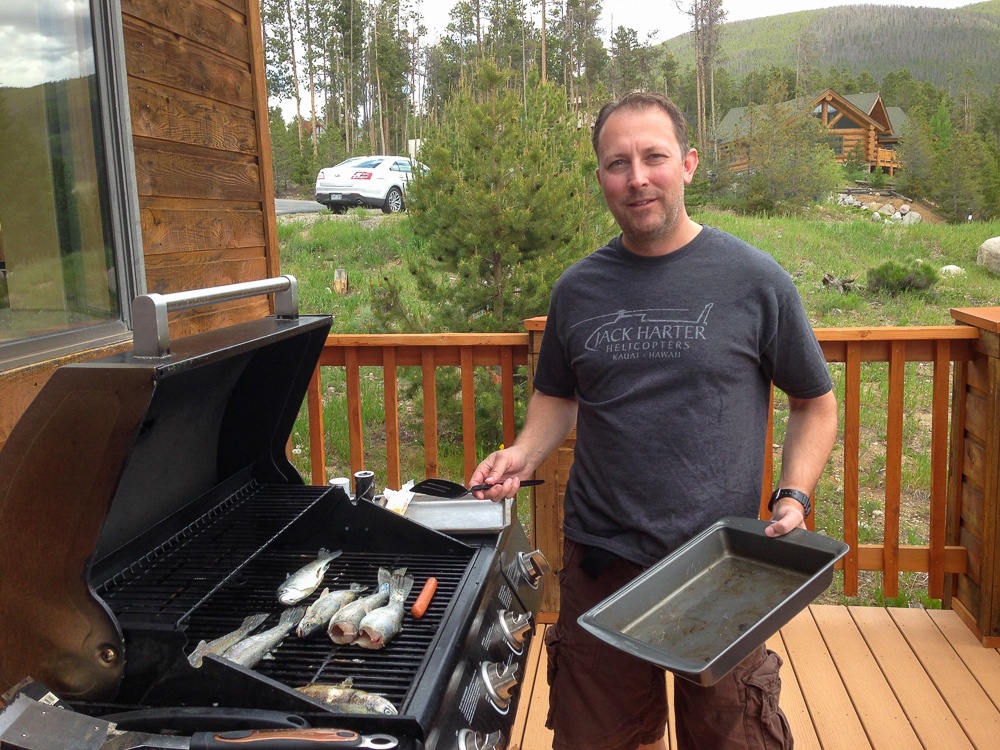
point(547, 514)
point(974, 478)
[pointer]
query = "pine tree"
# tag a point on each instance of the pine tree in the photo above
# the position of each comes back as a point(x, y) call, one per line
point(790, 160)
point(508, 203)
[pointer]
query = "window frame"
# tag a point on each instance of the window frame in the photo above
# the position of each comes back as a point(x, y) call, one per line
point(123, 202)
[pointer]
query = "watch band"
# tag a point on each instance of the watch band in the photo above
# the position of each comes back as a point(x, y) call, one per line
point(798, 495)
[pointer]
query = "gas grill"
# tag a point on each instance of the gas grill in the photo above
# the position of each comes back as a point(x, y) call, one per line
point(146, 504)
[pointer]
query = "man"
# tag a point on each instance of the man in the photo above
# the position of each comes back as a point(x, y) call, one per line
point(661, 348)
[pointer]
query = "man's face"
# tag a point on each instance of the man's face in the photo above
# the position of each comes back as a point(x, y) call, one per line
point(642, 171)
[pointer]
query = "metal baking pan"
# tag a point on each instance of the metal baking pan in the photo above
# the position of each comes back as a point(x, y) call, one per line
point(456, 516)
point(703, 609)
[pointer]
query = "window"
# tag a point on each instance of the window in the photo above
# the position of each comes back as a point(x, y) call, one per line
point(70, 250)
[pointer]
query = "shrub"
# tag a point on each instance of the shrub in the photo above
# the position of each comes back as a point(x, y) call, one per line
point(894, 278)
point(877, 180)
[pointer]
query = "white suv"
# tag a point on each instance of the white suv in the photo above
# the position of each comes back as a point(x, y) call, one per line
point(372, 181)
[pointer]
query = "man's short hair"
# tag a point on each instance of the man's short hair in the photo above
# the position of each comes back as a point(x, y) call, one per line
point(643, 100)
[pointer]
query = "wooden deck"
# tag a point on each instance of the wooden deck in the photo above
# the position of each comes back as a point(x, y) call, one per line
point(854, 678)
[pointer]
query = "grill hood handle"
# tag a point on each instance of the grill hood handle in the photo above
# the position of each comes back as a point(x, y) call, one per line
point(150, 329)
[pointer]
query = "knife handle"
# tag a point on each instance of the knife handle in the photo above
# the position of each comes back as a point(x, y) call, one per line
point(276, 739)
point(524, 483)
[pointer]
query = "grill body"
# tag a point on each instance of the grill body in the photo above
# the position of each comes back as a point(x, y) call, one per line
point(146, 505)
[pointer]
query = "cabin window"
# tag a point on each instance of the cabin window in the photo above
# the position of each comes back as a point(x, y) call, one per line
point(70, 256)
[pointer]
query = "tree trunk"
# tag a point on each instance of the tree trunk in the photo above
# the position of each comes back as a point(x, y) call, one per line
point(311, 68)
point(543, 42)
point(295, 71)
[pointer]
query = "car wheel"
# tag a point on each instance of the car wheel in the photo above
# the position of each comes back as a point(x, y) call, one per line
point(337, 208)
point(393, 201)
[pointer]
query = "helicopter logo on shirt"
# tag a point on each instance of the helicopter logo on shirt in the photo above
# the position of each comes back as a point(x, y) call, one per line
point(641, 329)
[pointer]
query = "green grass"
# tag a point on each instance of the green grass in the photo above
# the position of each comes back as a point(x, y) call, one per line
point(375, 251)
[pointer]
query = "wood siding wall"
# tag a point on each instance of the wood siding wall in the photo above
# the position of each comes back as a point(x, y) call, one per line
point(197, 96)
point(198, 105)
point(974, 486)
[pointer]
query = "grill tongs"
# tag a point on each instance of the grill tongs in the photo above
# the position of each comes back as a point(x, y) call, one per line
point(27, 724)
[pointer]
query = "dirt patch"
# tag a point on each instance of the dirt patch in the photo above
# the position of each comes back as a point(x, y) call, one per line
point(926, 212)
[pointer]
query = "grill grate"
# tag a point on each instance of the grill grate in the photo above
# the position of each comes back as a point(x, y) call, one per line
point(223, 567)
point(389, 671)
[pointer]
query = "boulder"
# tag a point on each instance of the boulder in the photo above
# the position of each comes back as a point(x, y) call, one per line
point(904, 209)
point(887, 210)
point(913, 217)
point(876, 216)
point(989, 255)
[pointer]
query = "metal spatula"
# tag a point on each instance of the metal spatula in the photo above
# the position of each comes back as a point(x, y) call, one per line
point(454, 490)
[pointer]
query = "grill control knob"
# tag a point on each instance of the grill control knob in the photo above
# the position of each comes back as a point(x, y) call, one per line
point(515, 628)
point(500, 681)
point(533, 566)
point(470, 740)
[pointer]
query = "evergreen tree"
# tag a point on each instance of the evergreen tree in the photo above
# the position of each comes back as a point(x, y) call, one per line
point(959, 193)
point(790, 160)
point(508, 203)
point(918, 156)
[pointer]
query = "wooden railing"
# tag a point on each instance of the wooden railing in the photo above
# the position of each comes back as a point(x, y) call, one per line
point(937, 347)
point(429, 352)
point(886, 157)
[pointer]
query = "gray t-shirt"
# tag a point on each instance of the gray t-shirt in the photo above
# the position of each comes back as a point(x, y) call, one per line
point(670, 360)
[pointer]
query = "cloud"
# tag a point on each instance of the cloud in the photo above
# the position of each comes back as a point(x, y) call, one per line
point(45, 40)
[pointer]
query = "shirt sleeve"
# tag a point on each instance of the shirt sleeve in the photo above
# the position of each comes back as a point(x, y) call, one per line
point(798, 366)
point(553, 374)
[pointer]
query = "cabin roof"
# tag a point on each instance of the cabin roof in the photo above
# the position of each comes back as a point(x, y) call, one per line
point(869, 105)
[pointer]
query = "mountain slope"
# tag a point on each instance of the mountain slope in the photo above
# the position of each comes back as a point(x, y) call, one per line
point(934, 44)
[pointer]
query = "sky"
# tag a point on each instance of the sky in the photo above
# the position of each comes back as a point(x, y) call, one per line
point(44, 40)
point(663, 18)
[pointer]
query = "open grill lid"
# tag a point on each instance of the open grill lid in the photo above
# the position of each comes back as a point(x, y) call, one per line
point(111, 448)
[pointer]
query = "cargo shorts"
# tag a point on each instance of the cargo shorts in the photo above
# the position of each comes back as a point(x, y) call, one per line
point(601, 698)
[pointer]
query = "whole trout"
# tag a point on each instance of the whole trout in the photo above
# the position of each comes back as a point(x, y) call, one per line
point(251, 650)
point(220, 645)
point(381, 625)
point(306, 579)
point(347, 699)
point(323, 609)
point(344, 625)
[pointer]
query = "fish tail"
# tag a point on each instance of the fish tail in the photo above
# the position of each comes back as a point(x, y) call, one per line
point(291, 617)
point(401, 585)
point(255, 621)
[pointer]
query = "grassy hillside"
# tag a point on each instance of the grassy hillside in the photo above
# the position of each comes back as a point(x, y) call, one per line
point(936, 45)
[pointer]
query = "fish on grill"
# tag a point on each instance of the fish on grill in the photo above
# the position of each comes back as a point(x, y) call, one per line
point(306, 579)
point(325, 607)
point(251, 650)
point(348, 699)
point(220, 645)
point(381, 625)
point(344, 624)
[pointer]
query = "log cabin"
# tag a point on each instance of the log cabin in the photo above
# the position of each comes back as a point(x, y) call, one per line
point(851, 119)
point(134, 158)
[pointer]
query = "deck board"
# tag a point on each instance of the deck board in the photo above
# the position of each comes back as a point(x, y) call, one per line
point(854, 678)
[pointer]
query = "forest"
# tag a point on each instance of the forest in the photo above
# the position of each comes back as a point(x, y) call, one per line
point(366, 78)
